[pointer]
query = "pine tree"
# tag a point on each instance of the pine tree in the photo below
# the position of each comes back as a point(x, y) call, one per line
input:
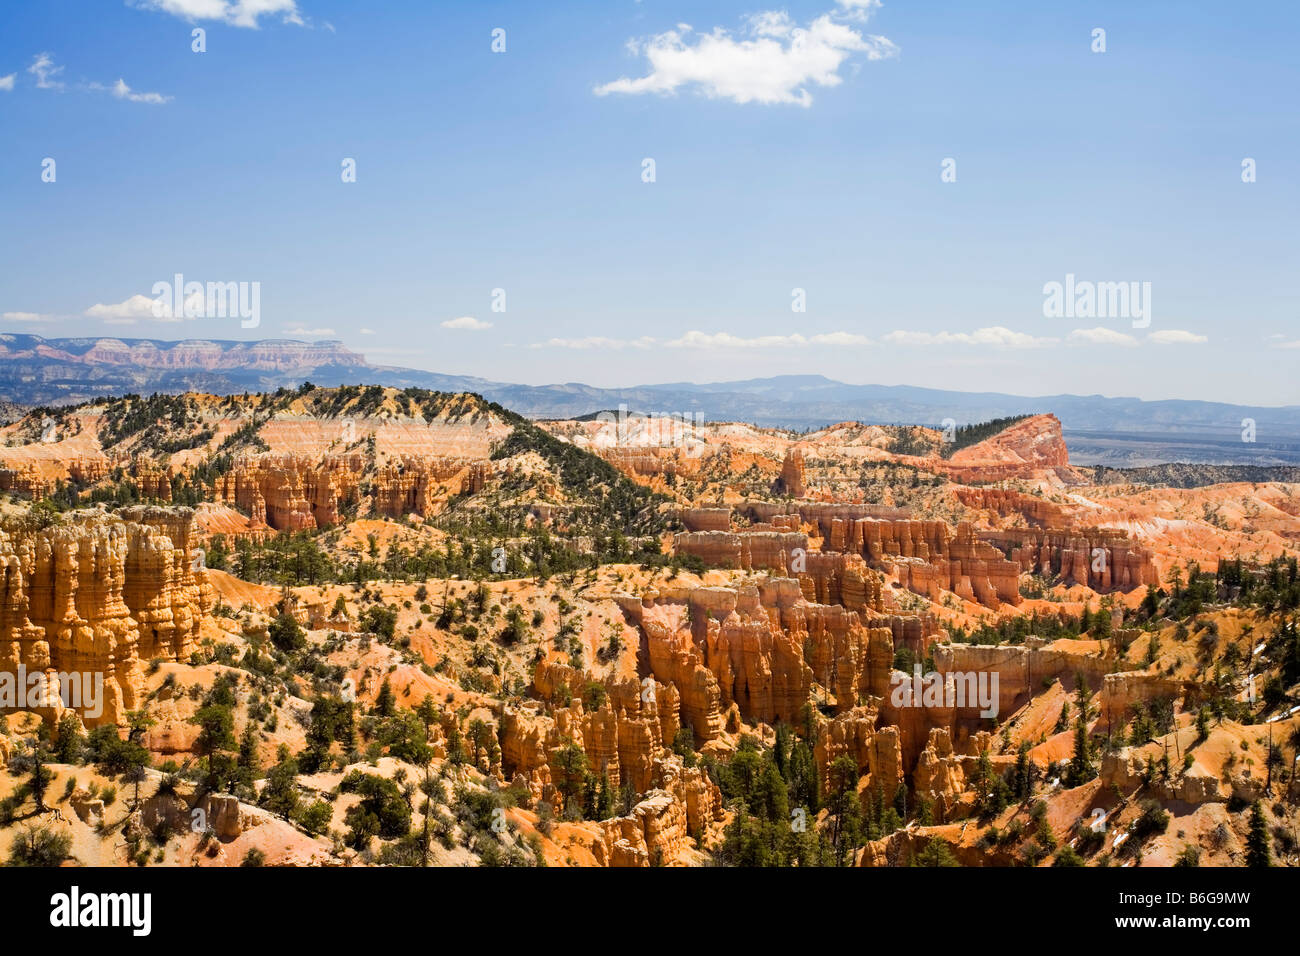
point(386, 702)
point(1257, 848)
point(1023, 775)
point(936, 853)
point(40, 776)
point(605, 801)
point(1081, 769)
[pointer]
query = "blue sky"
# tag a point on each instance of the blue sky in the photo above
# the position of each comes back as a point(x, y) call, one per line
point(795, 147)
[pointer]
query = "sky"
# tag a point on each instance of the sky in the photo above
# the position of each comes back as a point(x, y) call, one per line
point(619, 193)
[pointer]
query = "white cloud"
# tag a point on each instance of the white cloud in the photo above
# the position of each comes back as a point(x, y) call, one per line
point(725, 340)
point(124, 92)
point(1176, 337)
point(774, 62)
point(996, 336)
point(45, 71)
point(1289, 345)
point(26, 317)
point(1101, 336)
point(366, 331)
point(300, 332)
point(467, 322)
point(138, 307)
point(595, 342)
point(7, 82)
point(125, 312)
point(239, 13)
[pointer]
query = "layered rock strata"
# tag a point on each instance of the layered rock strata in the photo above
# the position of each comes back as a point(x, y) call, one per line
point(87, 599)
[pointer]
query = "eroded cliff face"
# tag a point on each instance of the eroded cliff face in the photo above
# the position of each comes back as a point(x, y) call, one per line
point(1031, 448)
point(1102, 559)
point(794, 474)
point(762, 652)
point(1059, 544)
point(299, 492)
point(627, 740)
point(291, 492)
point(95, 595)
point(412, 485)
point(27, 480)
point(753, 550)
point(924, 556)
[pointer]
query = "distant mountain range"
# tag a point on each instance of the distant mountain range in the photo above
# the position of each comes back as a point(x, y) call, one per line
point(1099, 430)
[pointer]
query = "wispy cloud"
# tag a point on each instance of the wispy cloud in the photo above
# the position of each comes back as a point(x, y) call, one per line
point(996, 336)
point(859, 7)
point(467, 322)
point(299, 332)
point(27, 317)
point(124, 92)
point(725, 340)
point(7, 82)
point(595, 342)
point(1176, 337)
point(238, 13)
point(1101, 336)
point(45, 71)
point(772, 60)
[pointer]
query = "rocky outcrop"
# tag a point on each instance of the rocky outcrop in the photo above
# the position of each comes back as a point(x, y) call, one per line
point(819, 513)
point(27, 480)
point(706, 519)
point(1007, 503)
point(666, 824)
point(874, 749)
point(151, 479)
point(1022, 670)
point(1124, 691)
point(297, 492)
point(963, 564)
point(292, 492)
point(759, 649)
point(624, 737)
point(1031, 448)
point(626, 741)
point(653, 461)
point(84, 600)
point(1099, 558)
point(411, 485)
point(940, 774)
point(749, 551)
point(793, 474)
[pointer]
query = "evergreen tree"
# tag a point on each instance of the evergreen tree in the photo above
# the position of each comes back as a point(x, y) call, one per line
point(1258, 853)
point(845, 810)
point(1081, 768)
point(935, 853)
point(386, 701)
point(1023, 774)
point(286, 634)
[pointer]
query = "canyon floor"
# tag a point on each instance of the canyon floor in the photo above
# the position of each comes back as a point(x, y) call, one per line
point(374, 626)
